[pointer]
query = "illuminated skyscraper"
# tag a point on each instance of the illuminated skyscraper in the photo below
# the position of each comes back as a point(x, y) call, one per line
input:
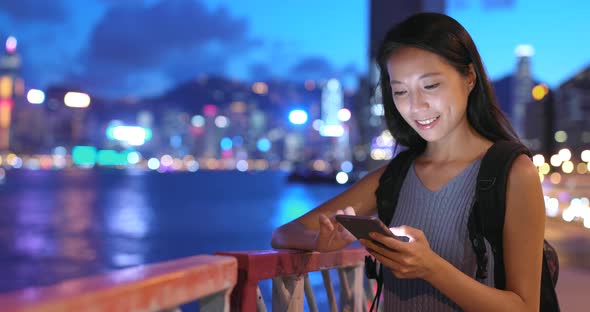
point(523, 84)
point(332, 102)
point(332, 126)
point(10, 87)
point(539, 121)
point(211, 136)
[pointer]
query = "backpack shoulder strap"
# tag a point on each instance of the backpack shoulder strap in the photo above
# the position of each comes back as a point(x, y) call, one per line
point(489, 210)
point(492, 180)
point(390, 184)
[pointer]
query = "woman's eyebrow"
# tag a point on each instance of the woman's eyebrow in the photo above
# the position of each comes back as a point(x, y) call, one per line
point(393, 81)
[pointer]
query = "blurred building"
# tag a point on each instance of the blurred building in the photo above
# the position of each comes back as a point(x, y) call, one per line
point(387, 13)
point(384, 14)
point(173, 129)
point(64, 126)
point(523, 84)
point(211, 136)
point(530, 115)
point(332, 102)
point(557, 119)
point(11, 90)
point(28, 129)
point(258, 138)
point(538, 130)
point(572, 113)
point(503, 90)
point(332, 127)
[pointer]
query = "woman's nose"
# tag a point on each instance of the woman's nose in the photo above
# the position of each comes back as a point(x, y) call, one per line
point(417, 102)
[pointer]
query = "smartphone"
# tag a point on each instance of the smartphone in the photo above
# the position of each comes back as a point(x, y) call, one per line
point(361, 226)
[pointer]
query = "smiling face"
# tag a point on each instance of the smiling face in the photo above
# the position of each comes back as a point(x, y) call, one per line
point(430, 94)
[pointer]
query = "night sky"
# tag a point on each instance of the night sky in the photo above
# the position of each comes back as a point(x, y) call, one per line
point(138, 48)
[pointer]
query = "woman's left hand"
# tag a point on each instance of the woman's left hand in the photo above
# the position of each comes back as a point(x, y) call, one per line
point(412, 259)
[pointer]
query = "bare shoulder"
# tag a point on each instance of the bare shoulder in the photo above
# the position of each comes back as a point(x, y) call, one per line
point(524, 194)
point(523, 171)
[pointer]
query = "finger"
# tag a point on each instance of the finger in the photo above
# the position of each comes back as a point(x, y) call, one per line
point(326, 226)
point(347, 236)
point(411, 233)
point(349, 211)
point(337, 224)
point(333, 217)
point(389, 242)
point(382, 249)
point(384, 259)
point(395, 267)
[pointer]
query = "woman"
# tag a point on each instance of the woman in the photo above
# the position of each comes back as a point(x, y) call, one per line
point(438, 101)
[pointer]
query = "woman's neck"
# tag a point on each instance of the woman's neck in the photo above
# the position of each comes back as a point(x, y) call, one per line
point(464, 144)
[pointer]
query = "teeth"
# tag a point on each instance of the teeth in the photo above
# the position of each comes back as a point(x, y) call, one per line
point(427, 121)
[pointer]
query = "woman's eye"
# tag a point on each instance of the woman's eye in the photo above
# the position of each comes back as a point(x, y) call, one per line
point(398, 93)
point(432, 86)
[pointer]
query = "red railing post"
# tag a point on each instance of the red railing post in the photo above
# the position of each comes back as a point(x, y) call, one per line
point(257, 265)
point(243, 297)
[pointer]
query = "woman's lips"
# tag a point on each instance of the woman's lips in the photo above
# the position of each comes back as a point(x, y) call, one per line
point(427, 123)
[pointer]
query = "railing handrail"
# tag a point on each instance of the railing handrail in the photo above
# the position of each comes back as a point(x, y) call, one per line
point(265, 264)
point(151, 287)
point(257, 265)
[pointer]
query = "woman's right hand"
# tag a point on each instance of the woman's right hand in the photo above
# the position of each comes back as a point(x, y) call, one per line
point(332, 235)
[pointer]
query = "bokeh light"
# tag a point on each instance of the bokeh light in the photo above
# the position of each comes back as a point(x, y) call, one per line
point(539, 91)
point(341, 177)
point(560, 136)
point(298, 117)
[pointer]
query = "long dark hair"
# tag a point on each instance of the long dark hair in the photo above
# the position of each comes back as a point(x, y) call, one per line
point(444, 36)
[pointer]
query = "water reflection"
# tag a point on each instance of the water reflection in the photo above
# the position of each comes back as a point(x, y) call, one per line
point(33, 243)
point(294, 202)
point(31, 225)
point(122, 259)
point(73, 222)
point(74, 210)
point(128, 214)
point(47, 225)
point(128, 217)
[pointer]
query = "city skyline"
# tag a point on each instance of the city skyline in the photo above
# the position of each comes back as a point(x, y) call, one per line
point(94, 44)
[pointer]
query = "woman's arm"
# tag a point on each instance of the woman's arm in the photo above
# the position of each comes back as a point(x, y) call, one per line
point(302, 233)
point(523, 248)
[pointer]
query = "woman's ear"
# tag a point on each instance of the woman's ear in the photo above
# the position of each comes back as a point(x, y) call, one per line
point(471, 77)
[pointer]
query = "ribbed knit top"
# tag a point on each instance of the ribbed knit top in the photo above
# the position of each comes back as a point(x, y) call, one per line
point(442, 216)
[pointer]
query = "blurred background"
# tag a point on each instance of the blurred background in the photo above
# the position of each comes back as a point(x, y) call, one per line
point(134, 132)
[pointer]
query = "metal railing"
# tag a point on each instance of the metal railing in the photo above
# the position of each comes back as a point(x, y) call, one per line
point(156, 287)
point(290, 281)
point(210, 279)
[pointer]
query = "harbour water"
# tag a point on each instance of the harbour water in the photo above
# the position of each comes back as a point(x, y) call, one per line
point(56, 225)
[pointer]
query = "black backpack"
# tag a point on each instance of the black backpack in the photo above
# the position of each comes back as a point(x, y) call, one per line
point(486, 220)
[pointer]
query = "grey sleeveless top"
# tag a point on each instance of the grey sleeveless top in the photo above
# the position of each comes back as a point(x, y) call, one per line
point(442, 216)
